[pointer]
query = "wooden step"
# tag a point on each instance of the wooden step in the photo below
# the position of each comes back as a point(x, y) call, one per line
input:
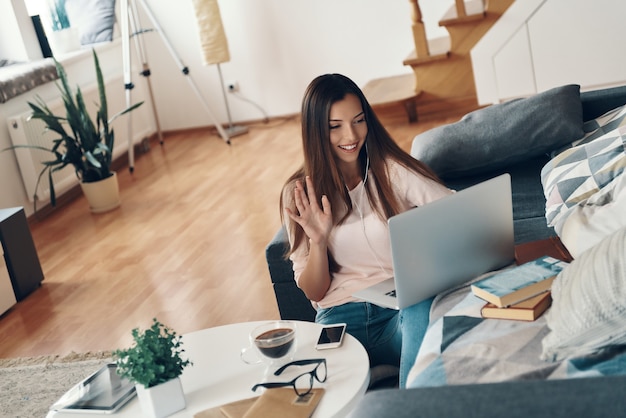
point(474, 11)
point(395, 96)
point(438, 48)
point(393, 91)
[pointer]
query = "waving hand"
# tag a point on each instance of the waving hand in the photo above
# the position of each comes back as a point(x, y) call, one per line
point(315, 221)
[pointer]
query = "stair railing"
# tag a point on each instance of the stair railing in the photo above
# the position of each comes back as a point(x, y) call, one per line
point(419, 31)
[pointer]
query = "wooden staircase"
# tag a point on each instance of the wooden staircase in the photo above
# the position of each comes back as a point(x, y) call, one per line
point(443, 78)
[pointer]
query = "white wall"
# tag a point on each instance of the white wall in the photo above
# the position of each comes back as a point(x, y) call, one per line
point(276, 48)
point(540, 44)
point(17, 41)
point(588, 44)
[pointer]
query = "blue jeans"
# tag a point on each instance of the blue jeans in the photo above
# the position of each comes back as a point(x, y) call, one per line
point(415, 320)
point(380, 330)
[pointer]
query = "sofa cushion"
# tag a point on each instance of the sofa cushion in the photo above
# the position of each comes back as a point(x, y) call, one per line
point(598, 102)
point(588, 311)
point(562, 398)
point(292, 303)
point(529, 204)
point(503, 134)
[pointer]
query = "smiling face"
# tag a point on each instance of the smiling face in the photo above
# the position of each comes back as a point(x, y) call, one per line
point(348, 129)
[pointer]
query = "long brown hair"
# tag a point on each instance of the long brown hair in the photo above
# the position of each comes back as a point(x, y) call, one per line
point(319, 161)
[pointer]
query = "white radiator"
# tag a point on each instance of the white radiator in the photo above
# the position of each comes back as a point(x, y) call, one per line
point(32, 132)
point(25, 131)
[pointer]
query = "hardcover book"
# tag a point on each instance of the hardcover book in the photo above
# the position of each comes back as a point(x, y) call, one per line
point(283, 402)
point(527, 310)
point(236, 409)
point(519, 283)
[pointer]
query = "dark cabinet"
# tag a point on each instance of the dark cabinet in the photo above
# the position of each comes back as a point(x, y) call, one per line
point(20, 253)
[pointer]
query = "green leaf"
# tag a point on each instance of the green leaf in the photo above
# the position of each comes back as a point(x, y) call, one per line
point(154, 358)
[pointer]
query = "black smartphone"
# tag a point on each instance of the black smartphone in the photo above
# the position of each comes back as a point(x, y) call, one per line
point(331, 336)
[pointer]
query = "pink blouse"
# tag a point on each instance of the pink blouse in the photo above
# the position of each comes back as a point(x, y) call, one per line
point(361, 244)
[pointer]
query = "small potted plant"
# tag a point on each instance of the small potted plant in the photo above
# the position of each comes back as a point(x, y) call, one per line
point(87, 145)
point(155, 364)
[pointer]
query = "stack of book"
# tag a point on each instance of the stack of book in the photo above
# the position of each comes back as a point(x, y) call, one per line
point(521, 292)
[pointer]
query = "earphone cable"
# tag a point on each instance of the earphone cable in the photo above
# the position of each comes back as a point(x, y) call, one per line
point(369, 244)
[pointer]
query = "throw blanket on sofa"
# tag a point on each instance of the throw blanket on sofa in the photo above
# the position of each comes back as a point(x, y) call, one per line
point(585, 185)
point(460, 347)
point(18, 78)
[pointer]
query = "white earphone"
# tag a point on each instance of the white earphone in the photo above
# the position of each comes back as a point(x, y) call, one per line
point(358, 208)
point(367, 164)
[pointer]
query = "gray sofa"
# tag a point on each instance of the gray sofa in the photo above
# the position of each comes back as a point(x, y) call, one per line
point(519, 137)
point(586, 397)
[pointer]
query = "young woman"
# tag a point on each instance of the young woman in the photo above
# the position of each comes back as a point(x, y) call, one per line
point(335, 209)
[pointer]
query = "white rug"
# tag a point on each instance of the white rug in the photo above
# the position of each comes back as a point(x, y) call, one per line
point(28, 386)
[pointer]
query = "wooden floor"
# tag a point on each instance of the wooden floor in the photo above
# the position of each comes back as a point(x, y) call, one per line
point(186, 246)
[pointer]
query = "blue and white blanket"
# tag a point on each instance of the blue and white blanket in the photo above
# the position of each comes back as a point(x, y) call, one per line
point(460, 347)
point(585, 185)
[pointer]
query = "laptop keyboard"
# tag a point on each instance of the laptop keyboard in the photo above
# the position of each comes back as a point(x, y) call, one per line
point(391, 293)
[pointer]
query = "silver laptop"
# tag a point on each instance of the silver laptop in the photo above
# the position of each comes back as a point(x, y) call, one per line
point(446, 243)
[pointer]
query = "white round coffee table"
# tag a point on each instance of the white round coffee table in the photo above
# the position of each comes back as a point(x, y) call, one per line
point(219, 376)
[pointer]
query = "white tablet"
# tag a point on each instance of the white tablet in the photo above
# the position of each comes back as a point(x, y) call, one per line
point(104, 392)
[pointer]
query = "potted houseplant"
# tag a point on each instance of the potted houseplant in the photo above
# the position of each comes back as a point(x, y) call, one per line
point(155, 364)
point(87, 145)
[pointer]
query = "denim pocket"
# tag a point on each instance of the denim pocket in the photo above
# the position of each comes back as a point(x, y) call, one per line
point(322, 315)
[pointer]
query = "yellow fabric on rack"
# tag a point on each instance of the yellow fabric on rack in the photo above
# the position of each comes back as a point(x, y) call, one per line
point(213, 40)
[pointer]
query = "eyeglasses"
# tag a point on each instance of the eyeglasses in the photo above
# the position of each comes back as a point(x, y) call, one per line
point(303, 383)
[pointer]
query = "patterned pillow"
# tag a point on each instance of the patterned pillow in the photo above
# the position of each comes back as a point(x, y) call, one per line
point(586, 225)
point(595, 128)
point(578, 173)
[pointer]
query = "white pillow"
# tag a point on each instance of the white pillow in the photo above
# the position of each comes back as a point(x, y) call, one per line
point(93, 18)
point(588, 310)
